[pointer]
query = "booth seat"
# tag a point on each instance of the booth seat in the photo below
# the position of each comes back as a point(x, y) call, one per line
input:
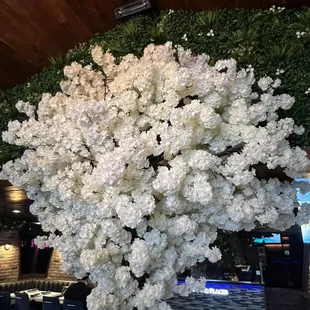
point(42, 285)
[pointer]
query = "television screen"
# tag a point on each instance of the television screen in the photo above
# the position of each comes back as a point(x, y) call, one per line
point(305, 231)
point(275, 238)
point(302, 198)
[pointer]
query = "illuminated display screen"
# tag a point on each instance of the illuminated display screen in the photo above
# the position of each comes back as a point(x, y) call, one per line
point(303, 198)
point(275, 238)
point(219, 287)
point(305, 229)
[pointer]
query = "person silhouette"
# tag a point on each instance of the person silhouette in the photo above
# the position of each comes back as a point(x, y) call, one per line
point(79, 291)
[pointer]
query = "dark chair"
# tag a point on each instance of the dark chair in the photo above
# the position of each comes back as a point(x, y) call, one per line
point(22, 301)
point(51, 303)
point(72, 305)
point(5, 301)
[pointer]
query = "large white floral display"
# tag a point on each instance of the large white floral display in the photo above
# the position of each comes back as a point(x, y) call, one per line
point(133, 170)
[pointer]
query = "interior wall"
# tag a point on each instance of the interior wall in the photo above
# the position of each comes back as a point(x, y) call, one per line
point(54, 270)
point(9, 259)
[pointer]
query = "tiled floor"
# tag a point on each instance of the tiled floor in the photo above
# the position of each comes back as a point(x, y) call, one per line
point(243, 298)
point(284, 299)
point(239, 298)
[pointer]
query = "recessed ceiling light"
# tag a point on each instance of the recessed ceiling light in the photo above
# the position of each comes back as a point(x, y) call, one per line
point(16, 211)
point(16, 195)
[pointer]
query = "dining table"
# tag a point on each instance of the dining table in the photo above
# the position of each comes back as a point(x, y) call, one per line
point(36, 295)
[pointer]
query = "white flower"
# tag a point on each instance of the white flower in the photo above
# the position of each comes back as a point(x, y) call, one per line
point(210, 33)
point(264, 83)
point(276, 83)
point(41, 241)
point(249, 69)
point(300, 34)
point(184, 37)
point(299, 130)
point(137, 169)
point(26, 108)
point(280, 71)
point(139, 258)
point(307, 91)
point(273, 8)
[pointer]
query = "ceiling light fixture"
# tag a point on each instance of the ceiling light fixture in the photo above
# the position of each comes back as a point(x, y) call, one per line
point(132, 8)
point(7, 247)
point(16, 211)
point(16, 195)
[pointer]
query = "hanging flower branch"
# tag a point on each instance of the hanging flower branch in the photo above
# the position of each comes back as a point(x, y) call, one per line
point(133, 172)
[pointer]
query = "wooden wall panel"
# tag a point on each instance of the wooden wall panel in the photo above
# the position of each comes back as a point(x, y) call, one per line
point(14, 69)
point(65, 16)
point(33, 30)
point(37, 14)
point(96, 14)
point(19, 36)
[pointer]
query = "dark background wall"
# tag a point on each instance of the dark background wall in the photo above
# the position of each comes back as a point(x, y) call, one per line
point(33, 30)
point(10, 261)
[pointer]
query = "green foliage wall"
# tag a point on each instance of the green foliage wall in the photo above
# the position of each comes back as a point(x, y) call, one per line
point(266, 40)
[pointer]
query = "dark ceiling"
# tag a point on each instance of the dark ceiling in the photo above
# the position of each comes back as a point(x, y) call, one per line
point(33, 30)
point(14, 204)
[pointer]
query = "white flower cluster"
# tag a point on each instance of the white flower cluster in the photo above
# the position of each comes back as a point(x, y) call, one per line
point(26, 108)
point(280, 71)
point(276, 9)
point(249, 68)
point(301, 34)
point(210, 33)
point(307, 91)
point(184, 37)
point(132, 173)
point(41, 241)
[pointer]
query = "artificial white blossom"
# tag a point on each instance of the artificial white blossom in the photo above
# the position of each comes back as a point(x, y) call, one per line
point(26, 108)
point(280, 71)
point(184, 37)
point(300, 34)
point(249, 68)
point(210, 33)
point(133, 171)
point(276, 9)
point(264, 83)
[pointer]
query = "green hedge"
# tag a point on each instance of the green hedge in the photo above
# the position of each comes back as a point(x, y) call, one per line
point(264, 39)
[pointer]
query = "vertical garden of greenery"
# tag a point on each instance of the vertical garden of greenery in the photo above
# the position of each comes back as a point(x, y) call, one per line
point(274, 42)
